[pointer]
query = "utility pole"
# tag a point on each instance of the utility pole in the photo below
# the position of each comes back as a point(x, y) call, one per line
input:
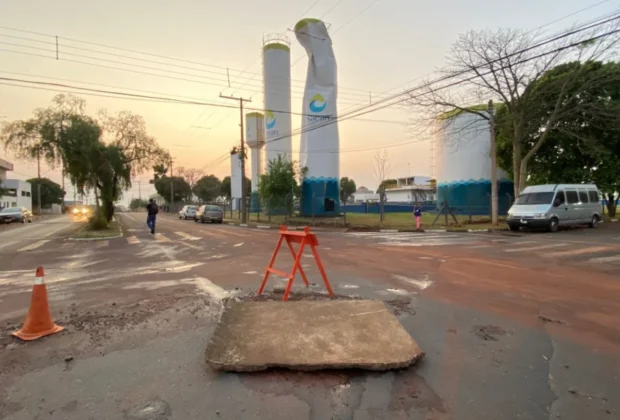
point(493, 149)
point(139, 189)
point(241, 156)
point(39, 179)
point(171, 186)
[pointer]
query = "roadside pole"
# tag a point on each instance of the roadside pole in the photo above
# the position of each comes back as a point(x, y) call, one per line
point(493, 151)
point(241, 156)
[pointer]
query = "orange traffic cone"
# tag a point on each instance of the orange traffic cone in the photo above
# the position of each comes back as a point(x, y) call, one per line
point(39, 320)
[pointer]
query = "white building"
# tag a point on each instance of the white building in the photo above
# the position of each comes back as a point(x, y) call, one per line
point(363, 195)
point(19, 194)
point(410, 190)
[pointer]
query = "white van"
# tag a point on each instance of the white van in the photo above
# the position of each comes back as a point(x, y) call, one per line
point(553, 205)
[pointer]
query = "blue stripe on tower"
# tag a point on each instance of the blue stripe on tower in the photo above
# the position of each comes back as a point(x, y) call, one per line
point(314, 191)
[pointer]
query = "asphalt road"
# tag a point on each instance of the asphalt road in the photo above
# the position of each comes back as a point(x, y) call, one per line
point(513, 326)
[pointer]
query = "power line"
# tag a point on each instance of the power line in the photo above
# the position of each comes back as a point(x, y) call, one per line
point(373, 108)
point(227, 69)
point(136, 96)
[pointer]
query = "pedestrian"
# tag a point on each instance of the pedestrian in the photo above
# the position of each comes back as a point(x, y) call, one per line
point(417, 213)
point(152, 210)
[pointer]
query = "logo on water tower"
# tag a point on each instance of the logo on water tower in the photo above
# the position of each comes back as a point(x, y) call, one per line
point(270, 120)
point(317, 103)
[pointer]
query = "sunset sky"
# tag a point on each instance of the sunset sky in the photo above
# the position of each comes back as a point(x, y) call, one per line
point(381, 47)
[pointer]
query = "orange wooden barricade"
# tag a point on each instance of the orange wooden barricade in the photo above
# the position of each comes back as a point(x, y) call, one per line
point(303, 238)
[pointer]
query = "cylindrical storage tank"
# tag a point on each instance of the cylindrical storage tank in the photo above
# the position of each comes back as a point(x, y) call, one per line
point(255, 139)
point(464, 166)
point(277, 96)
point(320, 144)
point(235, 179)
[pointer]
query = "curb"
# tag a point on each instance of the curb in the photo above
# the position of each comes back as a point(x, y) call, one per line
point(324, 229)
point(105, 238)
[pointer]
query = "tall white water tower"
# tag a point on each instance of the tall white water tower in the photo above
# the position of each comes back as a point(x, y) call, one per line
point(255, 139)
point(277, 85)
point(464, 165)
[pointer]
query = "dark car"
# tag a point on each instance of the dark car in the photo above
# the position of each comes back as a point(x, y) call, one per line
point(15, 214)
point(209, 213)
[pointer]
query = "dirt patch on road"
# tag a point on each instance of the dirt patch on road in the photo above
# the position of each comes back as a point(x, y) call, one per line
point(99, 329)
point(488, 332)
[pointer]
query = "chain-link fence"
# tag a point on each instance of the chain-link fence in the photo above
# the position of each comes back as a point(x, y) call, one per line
point(286, 210)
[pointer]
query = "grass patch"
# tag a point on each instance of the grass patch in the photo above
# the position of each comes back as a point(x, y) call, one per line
point(89, 232)
point(371, 220)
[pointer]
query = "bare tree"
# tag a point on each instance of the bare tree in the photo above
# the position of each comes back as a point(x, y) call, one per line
point(382, 170)
point(505, 66)
point(191, 175)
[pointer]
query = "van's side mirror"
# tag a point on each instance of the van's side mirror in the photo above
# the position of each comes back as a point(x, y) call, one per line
point(556, 202)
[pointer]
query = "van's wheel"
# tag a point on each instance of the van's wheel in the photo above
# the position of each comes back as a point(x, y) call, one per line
point(594, 222)
point(553, 225)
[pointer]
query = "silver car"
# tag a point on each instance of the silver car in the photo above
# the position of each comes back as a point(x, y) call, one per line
point(552, 206)
point(188, 212)
point(15, 214)
point(209, 213)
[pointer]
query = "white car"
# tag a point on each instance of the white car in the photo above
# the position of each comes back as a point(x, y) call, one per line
point(188, 212)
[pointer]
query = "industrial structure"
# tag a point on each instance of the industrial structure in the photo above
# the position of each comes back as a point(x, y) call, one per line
point(255, 139)
point(236, 179)
point(277, 96)
point(464, 166)
point(320, 146)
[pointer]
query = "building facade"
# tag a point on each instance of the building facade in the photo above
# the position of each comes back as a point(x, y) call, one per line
point(18, 193)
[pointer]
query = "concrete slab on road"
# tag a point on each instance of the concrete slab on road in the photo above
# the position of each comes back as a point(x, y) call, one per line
point(310, 335)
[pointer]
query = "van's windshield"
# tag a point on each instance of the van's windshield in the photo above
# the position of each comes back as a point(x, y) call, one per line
point(535, 198)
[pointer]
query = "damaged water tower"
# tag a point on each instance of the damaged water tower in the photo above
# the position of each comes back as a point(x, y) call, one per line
point(320, 144)
point(255, 139)
point(277, 96)
point(464, 165)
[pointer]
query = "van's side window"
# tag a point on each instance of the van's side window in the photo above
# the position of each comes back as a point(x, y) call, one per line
point(593, 196)
point(560, 197)
point(572, 197)
point(583, 196)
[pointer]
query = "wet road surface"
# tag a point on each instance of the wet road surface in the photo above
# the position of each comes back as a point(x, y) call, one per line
point(513, 326)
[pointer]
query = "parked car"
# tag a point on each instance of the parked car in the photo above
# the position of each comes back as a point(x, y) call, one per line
point(209, 213)
point(188, 212)
point(15, 214)
point(553, 205)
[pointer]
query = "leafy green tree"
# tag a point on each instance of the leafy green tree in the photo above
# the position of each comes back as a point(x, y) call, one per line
point(99, 155)
point(578, 149)
point(278, 186)
point(137, 204)
point(51, 192)
point(226, 191)
point(347, 188)
point(208, 188)
point(182, 190)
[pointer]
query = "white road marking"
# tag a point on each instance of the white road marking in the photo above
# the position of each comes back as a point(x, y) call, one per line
point(187, 236)
point(33, 246)
point(211, 288)
point(420, 284)
point(400, 292)
point(613, 258)
point(239, 244)
point(349, 286)
point(132, 240)
point(161, 238)
point(535, 248)
point(250, 272)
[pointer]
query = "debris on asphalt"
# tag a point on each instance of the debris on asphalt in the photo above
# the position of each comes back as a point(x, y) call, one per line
point(68, 358)
point(550, 320)
point(310, 335)
point(488, 332)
